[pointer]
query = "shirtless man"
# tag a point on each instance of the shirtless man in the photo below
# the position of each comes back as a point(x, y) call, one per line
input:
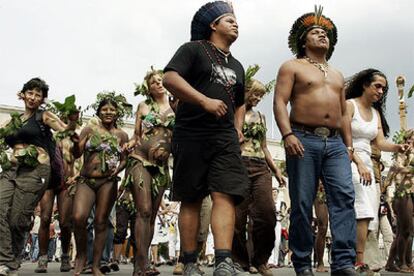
point(317, 140)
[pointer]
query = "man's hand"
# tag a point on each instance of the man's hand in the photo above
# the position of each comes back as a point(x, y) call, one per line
point(214, 106)
point(240, 135)
point(293, 146)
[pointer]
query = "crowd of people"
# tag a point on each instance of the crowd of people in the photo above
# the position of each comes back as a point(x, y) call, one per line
point(199, 136)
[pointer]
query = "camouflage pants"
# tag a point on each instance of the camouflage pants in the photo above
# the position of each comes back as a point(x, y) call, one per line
point(21, 188)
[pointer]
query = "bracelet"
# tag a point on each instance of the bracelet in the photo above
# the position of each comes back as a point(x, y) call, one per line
point(286, 135)
point(351, 149)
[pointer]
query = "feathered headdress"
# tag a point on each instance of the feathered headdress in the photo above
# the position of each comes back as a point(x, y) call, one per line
point(124, 109)
point(210, 12)
point(307, 22)
point(248, 79)
point(143, 88)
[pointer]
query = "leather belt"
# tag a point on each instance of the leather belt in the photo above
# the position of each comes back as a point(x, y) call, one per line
point(317, 130)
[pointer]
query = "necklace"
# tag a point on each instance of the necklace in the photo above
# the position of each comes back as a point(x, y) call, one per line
point(323, 67)
point(227, 87)
point(225, 55)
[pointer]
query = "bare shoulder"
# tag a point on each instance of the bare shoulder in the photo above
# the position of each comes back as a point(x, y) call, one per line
point(143, 108)
point(122, 134)
point(350, 107)
point(87, 130)
point(337, 73)
point(290, 65)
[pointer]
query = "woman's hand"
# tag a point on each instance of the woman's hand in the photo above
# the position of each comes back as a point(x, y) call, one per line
point(403, 148)
point(364, 174)
point(129, 146)
point(280, 179)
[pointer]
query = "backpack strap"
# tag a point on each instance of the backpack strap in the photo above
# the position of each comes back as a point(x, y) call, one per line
point(39, 120)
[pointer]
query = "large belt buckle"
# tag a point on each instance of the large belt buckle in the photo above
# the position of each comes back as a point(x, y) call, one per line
point(322, 131)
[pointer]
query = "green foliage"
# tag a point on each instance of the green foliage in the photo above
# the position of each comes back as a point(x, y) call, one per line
point(154, 120)
point(27, 156)
point(9, 130)
point(255, 131)
point(124, 108)
point(14, 125)
point(269, 86)
point(106, 145)
point(410, 92)
point(143, 89)
point(399, 136)
point(68, 107)
point(250, 72)
point(4, 158)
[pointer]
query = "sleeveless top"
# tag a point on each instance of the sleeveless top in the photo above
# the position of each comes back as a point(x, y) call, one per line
point(254, 132)
point(363, 132)
point(33, 132)
point(156, 136)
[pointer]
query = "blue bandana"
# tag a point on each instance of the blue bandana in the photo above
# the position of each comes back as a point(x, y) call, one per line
point(210, 12)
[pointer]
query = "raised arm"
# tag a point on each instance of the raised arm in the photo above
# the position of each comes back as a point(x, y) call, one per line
point(56, 124)
point(383, 144)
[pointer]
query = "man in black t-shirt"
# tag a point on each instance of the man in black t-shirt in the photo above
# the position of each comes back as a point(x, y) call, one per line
point(209, 83)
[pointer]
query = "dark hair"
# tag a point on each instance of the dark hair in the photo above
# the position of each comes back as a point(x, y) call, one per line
point(355, 87)
point(104, 102)
point(38, 84)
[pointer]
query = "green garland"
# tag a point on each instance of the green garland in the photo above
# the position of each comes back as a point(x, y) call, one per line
point(9, 130)
point(124, 108)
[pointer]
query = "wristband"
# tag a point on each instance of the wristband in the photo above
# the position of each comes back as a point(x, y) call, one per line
point(286, 135)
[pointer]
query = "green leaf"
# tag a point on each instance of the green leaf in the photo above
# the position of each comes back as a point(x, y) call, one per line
point(410, 93)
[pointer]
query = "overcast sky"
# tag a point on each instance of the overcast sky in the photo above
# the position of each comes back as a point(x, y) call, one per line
point(84, 47)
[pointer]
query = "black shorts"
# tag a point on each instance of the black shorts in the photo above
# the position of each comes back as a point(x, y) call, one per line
point(202, 167)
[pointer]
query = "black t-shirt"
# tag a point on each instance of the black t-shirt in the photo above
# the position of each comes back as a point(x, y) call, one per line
point(207, 71)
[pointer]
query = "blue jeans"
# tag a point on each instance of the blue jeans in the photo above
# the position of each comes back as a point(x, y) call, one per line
point(324, 159)
point(35, 247)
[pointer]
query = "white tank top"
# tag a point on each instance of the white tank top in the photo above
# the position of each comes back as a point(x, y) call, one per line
point(363, 132)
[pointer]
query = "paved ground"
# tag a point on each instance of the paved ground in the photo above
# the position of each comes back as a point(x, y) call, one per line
point(28, 269)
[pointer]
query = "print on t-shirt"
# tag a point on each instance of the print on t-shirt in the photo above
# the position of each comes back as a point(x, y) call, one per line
point(222, 75)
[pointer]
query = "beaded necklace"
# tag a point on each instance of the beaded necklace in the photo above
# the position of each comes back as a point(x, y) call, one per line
point(227, 86)
point(323, 67)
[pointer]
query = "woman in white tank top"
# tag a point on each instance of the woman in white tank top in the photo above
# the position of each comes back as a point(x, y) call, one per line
point(366, 93)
